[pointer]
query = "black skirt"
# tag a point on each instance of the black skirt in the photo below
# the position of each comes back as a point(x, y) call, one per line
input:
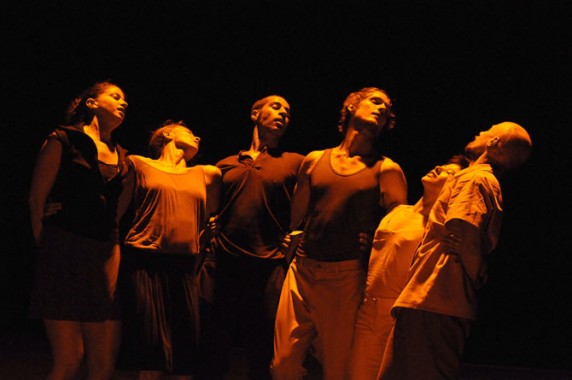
point(75, 278)
point(160, 312)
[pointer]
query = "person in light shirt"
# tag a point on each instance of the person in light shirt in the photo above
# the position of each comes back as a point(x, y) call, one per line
point(435, 309)
point(394, 243)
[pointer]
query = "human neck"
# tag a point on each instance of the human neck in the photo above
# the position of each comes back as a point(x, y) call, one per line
point(423, 206)
point(355, 144)
point(259, 142)
point(498, 168)
point(98, 131)
point(172, 157)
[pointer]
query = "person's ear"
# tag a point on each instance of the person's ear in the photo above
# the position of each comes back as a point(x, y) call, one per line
point(254, 115)
point(91, 103)
point(168, 135)
point(351, 108)
point(493, 142)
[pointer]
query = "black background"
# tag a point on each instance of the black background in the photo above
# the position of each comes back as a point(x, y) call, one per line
point(452, 68)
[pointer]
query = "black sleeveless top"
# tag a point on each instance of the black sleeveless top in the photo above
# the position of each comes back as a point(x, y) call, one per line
point(341, 206)
point(88, 196)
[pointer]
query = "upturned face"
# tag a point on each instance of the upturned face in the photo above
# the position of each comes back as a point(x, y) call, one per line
point(435, 180)
point(273, 117)
point(372, 110)
point(479, 144)
point(184, 139)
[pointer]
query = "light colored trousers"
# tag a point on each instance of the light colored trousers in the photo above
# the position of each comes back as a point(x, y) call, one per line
point(318, 306)
point(373, 326)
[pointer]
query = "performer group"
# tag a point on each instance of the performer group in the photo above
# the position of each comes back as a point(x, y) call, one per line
point(310, 263)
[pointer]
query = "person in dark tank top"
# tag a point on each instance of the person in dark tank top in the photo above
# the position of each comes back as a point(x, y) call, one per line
point(340, 196)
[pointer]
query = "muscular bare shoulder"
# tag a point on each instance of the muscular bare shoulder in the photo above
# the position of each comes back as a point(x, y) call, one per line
point(392, 184)
point(388, 165)
point(212, 173)
point(311, 159)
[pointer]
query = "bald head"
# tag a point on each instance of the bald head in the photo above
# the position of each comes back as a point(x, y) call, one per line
point(514, 145)
point(507, 145)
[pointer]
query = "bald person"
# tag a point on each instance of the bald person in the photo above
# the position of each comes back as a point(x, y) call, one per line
point(439, 302)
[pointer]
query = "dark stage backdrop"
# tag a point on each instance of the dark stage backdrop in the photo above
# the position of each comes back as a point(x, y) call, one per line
point(452, 67)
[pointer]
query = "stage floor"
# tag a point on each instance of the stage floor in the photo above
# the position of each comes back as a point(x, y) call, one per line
point(26, 356)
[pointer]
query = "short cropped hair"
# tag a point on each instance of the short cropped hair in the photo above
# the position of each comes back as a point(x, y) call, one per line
point(459, 159)
point(158, 140)
point(262, 101)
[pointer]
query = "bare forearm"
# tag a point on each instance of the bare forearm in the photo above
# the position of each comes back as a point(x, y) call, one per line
point(36, 216)
point(43, 179)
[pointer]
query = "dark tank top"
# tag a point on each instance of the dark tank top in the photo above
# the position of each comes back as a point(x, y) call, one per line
point(341, 206)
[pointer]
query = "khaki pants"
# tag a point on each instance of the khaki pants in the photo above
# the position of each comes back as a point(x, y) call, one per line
point(318, 307)
point(373, 325)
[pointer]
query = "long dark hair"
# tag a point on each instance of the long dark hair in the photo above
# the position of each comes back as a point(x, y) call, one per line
point(77, 111)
